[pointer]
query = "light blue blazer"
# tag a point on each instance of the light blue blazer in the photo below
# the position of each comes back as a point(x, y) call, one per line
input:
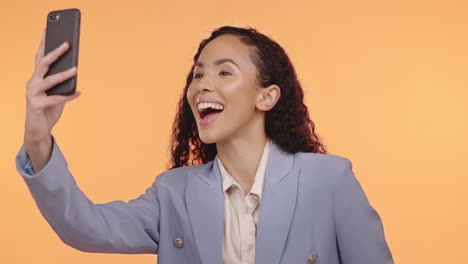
point(313, 210)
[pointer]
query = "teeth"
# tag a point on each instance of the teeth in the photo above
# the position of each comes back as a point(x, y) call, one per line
point(203, 106)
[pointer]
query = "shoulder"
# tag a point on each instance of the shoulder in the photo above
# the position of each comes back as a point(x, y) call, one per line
point(324, 169)
point(178, 176)
point(328, 163)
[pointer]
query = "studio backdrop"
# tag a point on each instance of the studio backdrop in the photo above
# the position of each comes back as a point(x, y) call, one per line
point(385, 83)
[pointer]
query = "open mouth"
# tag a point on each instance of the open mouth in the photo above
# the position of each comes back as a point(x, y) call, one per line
point(208, 112)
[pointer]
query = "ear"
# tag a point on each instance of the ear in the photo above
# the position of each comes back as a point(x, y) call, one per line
point(267, 97)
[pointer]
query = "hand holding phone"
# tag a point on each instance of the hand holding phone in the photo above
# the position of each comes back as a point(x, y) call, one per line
point(43, 111)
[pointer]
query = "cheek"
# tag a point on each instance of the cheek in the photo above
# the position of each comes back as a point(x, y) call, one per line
point(241, 99)
point(190, 95)
point(189, 92)
point(238, 90)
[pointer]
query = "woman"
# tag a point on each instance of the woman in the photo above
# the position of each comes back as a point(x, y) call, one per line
point(260, 188)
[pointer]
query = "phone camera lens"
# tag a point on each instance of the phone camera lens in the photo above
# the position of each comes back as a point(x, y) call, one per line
point(54, 17)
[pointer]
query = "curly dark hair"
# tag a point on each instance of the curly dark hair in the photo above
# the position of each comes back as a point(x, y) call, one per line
point(287, 123)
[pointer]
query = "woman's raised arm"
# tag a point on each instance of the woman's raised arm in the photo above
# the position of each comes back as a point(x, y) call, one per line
point(42, 111)
point(115, 227)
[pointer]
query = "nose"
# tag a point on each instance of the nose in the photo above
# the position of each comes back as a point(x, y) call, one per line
point(203, 88)
point(204, 85)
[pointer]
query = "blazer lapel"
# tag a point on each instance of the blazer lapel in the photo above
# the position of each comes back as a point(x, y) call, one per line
point(205, 205)
point(277, 206)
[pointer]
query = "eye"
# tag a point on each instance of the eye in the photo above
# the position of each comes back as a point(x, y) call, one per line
point(222, 73)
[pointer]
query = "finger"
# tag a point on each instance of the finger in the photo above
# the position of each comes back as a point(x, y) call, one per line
point(47, 60)
point(53, 100)
point(52, 80)
point(40, 51)
point(40, 103)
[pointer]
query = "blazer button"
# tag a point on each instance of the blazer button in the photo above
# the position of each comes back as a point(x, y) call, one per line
point(178, 242)
point(312, 257)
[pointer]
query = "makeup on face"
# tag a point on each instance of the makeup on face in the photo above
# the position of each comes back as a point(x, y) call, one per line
point(222, 92)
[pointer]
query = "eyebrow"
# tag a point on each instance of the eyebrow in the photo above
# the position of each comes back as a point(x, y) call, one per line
point(218, 62)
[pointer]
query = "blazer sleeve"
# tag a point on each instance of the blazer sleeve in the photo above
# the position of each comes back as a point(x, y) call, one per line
point(359, 229)
point(115, 227)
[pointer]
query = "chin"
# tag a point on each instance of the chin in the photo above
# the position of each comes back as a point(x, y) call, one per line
point(207, 139)
point(210, 136)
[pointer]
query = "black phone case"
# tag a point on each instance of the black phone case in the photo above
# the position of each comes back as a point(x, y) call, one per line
point(65, 27)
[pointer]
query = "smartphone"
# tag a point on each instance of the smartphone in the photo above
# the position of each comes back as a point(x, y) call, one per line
point(63, 25)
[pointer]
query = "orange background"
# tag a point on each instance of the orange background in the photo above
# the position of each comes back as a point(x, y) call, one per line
point(385, 82)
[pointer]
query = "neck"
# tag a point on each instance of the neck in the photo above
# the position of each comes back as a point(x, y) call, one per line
point(241, 155)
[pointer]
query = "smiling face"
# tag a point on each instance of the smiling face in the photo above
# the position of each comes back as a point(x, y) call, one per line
point(225, 74)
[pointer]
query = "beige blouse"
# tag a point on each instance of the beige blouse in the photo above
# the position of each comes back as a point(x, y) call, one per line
point(241, 214)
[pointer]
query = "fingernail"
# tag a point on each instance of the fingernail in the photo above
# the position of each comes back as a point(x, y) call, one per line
point(64, 44)
point(72, 69)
